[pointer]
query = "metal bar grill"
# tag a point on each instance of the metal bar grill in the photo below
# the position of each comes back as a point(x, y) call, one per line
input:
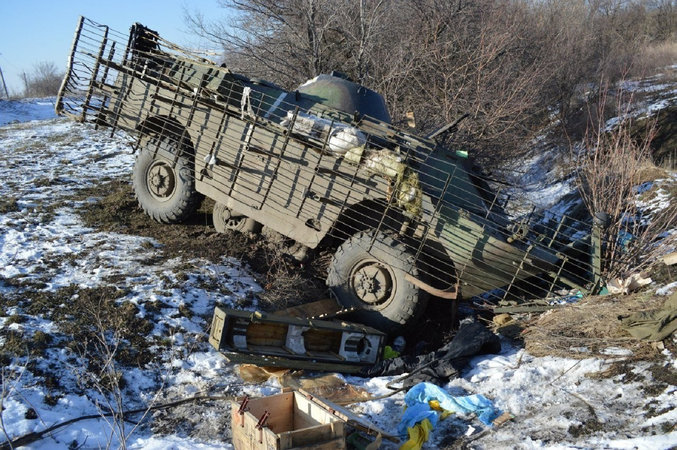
point(393, 182)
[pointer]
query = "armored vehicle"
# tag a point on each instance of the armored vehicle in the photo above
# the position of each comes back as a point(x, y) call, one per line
point(322, 165)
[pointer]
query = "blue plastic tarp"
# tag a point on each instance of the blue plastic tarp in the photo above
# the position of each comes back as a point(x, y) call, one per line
point(418, 406)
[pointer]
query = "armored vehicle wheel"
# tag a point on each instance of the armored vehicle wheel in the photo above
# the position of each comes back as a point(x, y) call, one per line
point(227, 219)
point(165, 189)
point(374, 281)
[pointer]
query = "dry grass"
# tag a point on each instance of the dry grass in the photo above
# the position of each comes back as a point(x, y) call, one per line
point(592, 324)
point(614, 163)
point(650, 172)
point(286, 282)
point(655, 56)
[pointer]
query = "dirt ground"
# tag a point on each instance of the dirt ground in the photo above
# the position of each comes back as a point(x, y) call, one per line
point(286, 282)
point(290, 283)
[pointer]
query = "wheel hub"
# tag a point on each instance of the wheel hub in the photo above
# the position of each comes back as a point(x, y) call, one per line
point(235, 222)
point(373, 282)
point(160, 180)
point(229, 219)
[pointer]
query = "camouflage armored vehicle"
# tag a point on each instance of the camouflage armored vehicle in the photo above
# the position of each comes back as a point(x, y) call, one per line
point(322, 165)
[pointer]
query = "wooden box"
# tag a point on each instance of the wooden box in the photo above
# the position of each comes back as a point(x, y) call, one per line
point(295, 420)
point(273, 340)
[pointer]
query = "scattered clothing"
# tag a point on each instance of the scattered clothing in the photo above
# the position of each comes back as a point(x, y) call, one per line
point(627, 285)
point(418, 435)
point(653, 325)
point(389, 353)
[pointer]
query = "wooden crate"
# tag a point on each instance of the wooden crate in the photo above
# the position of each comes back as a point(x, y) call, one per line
point(295, 420)
point(274, 340)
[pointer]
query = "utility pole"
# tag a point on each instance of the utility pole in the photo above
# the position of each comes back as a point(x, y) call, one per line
point(2, 77)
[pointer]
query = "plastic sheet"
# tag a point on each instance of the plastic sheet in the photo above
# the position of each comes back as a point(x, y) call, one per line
point(418, 406)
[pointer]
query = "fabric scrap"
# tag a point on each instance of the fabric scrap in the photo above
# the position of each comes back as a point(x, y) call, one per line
point(418, 435)
point(423, 393)
point(653, 325)
point(389, 352)
point(627, 285)
point(431, 403)
point(417, 413)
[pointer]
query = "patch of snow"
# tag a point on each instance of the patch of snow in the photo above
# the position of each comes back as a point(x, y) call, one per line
point(17, 111)
point(174, 442)
point(45, 246)
point(668, 289)
point(665, 441)
point(616, 351)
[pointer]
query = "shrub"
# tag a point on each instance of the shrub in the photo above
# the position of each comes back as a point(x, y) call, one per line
point(611, 169)
point(502, 62)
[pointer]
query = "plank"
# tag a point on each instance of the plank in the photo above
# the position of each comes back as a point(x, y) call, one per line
point(312, 309)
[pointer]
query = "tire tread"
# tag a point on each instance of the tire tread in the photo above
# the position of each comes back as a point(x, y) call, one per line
point(189, 199)
point(410, 307)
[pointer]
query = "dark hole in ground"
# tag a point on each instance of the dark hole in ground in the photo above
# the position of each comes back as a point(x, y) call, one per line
point(664, 142)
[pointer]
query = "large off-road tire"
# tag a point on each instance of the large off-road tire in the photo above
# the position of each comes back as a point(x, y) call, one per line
point(372, 278)
point(165, 189)
point(225, 219)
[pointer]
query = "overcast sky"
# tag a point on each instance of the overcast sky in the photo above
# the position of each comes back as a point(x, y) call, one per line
point(35, 31)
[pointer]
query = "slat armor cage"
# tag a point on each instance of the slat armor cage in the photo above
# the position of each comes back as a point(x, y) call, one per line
point(319, 174)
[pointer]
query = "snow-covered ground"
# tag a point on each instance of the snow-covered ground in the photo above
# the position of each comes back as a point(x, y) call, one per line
point(17, 111)
point(544, 176)
point(51, 262)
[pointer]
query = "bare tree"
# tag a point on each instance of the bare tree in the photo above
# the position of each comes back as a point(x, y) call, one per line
point(285, 40)
point(362, 27)
point(664, 19)
point(469, 57)
point(502, 62)
point(44, 81)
